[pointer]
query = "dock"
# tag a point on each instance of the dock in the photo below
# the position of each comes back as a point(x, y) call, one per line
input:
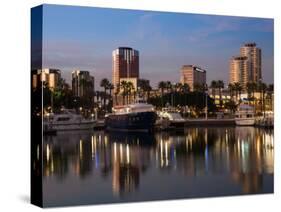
point(210, 122)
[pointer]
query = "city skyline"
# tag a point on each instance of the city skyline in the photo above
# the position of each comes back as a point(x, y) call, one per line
point(84, 38)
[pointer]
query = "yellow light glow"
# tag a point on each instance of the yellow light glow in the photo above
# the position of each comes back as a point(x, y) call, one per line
point(48, 152)
point(81, 148)
point(128, 154)
point(121, 153)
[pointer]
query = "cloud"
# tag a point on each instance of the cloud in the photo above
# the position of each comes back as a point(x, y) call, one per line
point(208, 42)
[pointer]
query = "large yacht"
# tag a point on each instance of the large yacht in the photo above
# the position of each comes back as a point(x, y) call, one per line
point(67, 120)
point(245, 115)
point(139, 116)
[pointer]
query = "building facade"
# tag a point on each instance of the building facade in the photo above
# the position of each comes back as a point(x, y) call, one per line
point(253, 54)
point(50, 77)
point(83, 84)
point(247, 66)
point(193, 75)
point(239, 70)
point(125, 64)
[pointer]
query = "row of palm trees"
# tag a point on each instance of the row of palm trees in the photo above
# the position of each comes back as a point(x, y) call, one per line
point(127, 90)
point(106, 85)
point(167, 86)
point(251, 88)
point(217, 86)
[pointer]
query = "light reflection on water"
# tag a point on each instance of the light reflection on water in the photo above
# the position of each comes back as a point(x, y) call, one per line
point(101, 167)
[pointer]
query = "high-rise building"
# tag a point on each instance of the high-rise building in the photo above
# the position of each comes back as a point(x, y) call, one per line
point(253, 54)
point(239, 70)
point(247, 66)
point(125, 64)
point(193, 75)
point(48, 76)
point(83, 84)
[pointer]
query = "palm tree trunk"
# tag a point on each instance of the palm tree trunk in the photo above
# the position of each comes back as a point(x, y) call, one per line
point(220, 98)
point(263, 103)
point(162, 100)
point(104, 99)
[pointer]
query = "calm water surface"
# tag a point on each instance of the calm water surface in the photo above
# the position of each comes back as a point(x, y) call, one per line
point(103, 167)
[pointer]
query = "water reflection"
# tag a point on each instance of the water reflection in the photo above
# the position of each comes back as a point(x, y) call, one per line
point(241, 157)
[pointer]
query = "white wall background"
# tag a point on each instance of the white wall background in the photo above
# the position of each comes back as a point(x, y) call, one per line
point(15, 102)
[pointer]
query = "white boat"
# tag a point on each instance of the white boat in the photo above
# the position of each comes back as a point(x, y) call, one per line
point(245, 115)
point(174, 118)
point(67, 120)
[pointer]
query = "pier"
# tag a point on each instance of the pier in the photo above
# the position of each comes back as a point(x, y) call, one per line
point(210, 122)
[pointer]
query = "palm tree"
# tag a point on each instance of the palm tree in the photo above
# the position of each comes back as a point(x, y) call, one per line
point(98, 95)
point(262, 87)
point(198, 87)
point(104, 83)
point(179, 87)
point(220, 86)
point(144, 87)
point(214, 86)
point(169, 86)
point(251, 87)
point(162, 87)
point(231, 89)
point(148, 90)
point(110, 88)
point(270, 90)
point(185, 90)
point(117, 91)
point(238, 89)
point(130, 88)
point(123, 86)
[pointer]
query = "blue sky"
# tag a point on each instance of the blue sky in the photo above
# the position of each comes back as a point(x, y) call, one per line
point(84, 38)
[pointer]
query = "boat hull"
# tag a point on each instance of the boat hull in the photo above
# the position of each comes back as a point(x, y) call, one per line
point(245, 121)
point(70, 126)
point(177, 124)
point(141, 121)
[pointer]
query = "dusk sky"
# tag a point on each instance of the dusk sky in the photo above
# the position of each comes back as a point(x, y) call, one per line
point(84, 38)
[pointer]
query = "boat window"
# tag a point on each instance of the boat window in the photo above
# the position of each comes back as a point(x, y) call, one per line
point(63, 119)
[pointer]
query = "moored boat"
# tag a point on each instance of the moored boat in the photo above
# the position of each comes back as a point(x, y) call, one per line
point(133, 117)
point(245, 115)
point(173, 118)
point(67, 120)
